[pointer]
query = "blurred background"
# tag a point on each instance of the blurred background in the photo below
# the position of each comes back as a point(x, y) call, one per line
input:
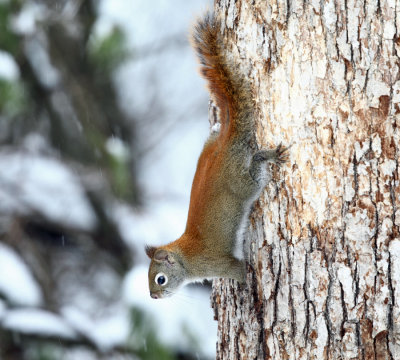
point(102, 118)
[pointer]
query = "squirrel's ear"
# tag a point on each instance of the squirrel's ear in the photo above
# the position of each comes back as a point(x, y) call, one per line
point(150, 250)
point(163, 255)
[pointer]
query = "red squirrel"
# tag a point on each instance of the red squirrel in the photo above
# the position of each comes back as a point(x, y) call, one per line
point(228, 179)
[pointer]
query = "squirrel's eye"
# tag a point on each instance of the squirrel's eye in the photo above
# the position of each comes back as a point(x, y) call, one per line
point(161, 279)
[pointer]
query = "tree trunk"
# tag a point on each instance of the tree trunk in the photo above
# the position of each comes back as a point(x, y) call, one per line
point(324, 269)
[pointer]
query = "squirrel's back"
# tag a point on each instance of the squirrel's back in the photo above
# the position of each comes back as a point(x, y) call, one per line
point(227, 85)
point(229, 178)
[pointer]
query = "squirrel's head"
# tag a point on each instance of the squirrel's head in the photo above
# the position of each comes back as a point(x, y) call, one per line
point(166, 272)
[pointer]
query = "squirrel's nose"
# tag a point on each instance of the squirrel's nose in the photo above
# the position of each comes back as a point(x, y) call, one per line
point(154, 295)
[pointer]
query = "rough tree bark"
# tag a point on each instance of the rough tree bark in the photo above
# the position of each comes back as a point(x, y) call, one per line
point(324, 274)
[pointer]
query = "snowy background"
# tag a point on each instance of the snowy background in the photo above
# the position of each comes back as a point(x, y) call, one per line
point(62, 294)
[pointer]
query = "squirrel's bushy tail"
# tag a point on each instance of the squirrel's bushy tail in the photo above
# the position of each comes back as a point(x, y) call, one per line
point(227, 85)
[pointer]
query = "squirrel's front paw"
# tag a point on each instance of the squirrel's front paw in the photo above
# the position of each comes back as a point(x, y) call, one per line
point(279, 155)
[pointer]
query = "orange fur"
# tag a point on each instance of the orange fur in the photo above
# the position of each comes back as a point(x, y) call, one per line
point(226, 90)
point(229, 177)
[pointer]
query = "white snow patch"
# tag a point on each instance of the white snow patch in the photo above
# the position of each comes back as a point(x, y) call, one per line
point(8, 67)
point(81, 353)
point(38, 56)
point(188, 309)
point(161, 222)
point(102, 28)
point(16, 281)
point(106, 333)
point(2, 310)
point(117, 148)
point(35, 183)
point(145, 23)
point(39, 322)
point(35, 143)
point(25, 22)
